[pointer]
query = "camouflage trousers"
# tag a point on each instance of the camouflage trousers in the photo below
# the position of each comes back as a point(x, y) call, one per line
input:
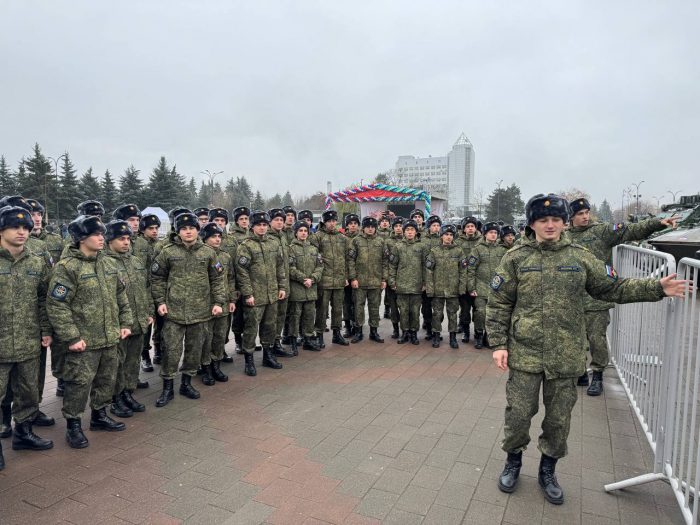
point(439, 305)
point(59, 349)
point(91, 373)
point(20, 379)
point(522, 402)
point(597, 322)
point(466, 305)
point(259, 319)
point(480, 313)
point(194, 337)
point(390, 301)
point(334, 298)
point(281, 317)
point(408, 306)
point(348, 306)
point(215, 346)
point(373, 298)
point(129, 360)
point(301, 313)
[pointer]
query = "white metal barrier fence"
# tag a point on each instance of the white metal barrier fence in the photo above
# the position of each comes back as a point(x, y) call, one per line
point(655, 349)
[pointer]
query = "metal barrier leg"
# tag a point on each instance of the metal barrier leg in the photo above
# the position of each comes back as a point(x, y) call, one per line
point(632, 482)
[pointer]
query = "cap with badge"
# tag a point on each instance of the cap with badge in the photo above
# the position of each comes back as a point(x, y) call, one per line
point(186, 219)
point(126, 211)
point(579, 204)
point(148, 220)
point(448, 228)
point(115, 229)
point(84, 226)
point(217, 213)
point(259, 217)
point(240, 212)
point(15, 217)
point(92, 208)
point(210, 229)
point(541, 206)
point(369, 222)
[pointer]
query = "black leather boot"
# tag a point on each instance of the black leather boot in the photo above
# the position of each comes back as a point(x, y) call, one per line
point(216, 372)
point(453, 340)
point(321, 343)
point(465, 335)
point(478, 339)
point(279, 351)
point(269, 358)
point(6, 425)
point(414, 337)
point(596, 387)
point(186, 388)
point(582, 380)
point(60, 387)
point(25, 439)
point(207, 378)
point(99, 420)
point(239, 344)
point(436, 339)
point(405, 337)
point(338, 338)
point(128, 399)
point(142, 384)
point(42, 420)
point(74, 434)
point(118, 408)
point(374, 335)
point(227, 358)
point(349, 330)
point(428, 334)
point(249, 367)
point(395, 333)
point(509, 477)
point(310, 344)
point(548, 481)
point(358, 335)
point(293, 344)
point(167, 394)
point(147, 364)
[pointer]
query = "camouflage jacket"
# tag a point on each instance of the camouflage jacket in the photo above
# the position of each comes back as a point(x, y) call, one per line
point(135, 275)
point(481, 266)
point(367, 261)
point(260, 270)
point(288, 233)
point(383, 233)
point(333, 248)
point(429, 241)
point(392, 240)
point(23, 282)
point(467, 242)
point(54, 244)
point(406, 267)
point(304, 263)
point(143, 249)
point(238, 233)
point(39, 247)
point(226, 261)
point(600, 238)
point(87, 300)
point(229, 244)
point(284, 247)
point(537, 301)
point(188, 280)
point(445, 271)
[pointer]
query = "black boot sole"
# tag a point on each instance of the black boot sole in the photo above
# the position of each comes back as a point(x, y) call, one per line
point(21, 446)
point(270, 365)
point(79, 445)
point(189, 395)
point(168, 399)
point(99, 427)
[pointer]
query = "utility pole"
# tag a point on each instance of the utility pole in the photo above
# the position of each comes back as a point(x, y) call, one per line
point(636, 207)
point(673, 194)
point(58, 192)
point(211, 176)
point(498, 200)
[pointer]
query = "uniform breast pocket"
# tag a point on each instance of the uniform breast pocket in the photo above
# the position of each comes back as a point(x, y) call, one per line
point(569, 277)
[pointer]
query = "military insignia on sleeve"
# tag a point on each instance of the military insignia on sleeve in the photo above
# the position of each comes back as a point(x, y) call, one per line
point(292, 259)
point(463, 263)
point(59, 292)
point(496, 282)
point(219, 267)
point(243, 261)
point(319, 259)
point(610, 272)
point(155, 267)
point(429, 264)
point(472, 260)
point(619, 226)
point(386, 252)
point(392, 258)
point(352, 254)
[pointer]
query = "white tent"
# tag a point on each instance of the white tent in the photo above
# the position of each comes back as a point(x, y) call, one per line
point(164, 220)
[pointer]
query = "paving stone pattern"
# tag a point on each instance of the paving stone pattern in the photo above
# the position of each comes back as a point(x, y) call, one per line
point(363, 434)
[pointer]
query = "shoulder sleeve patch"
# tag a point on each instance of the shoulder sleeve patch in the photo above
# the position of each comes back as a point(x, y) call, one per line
point(429, 263)
point(292, 259)
point(473, 259)
point(352, 253)
point(610, 272)
point(219, 267)
point(59, 292)
point(619, 226)
point(497, 282)
point(243, 261)
point(155, 267)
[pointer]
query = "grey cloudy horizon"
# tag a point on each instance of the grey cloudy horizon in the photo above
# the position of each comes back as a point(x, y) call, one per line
point(553, 95)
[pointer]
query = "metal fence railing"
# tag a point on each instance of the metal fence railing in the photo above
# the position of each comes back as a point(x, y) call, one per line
point(655, 349)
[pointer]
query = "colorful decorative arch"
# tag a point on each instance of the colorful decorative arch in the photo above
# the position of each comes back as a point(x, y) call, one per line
point(379, 193)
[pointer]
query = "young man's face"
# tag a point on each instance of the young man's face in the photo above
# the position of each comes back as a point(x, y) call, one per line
point(290, 219)
point(277, 224)
point(383, 224)
point(302, 234)
point(133, 223)
point(203, 220)
point(15, 237)
point(151, 232)
point(582, 218)
point(353, 227)
point(120, 244)
point(243, 221)
point(330, 225)
point(94, 242)
point(188, 234)
point(410, 233)
point(418, 219)
point(307, 220)
point(548, 228)
point(260, 229)
point(447, 238)
point(509, 239)
point(369, 230)
point(491, 235)
point(398, 229)
point(470, 229)
point(435, 227)
point(214, 241)
point(37, 217)
point(220, 222)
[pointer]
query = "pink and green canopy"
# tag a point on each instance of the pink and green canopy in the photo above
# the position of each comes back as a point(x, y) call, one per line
point(379, 193)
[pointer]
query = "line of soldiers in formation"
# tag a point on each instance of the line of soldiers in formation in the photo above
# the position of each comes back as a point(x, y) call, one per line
point(98, 300)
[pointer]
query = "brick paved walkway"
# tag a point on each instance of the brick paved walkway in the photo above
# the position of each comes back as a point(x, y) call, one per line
point(364, 434)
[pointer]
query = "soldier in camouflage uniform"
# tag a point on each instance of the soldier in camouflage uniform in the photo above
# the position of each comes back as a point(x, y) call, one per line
point(135, 275)
point(429, 239)
point(538, 297)
point(202, 216)
point(187, 282)
point(384, 228)
point(351, 224)
point(390, 294)
point(507, 236)
point(332, 245)
point(261, 276)
point(276, 232)
point(481, 267)
point(305, 272)
point(239, 231)
point(23, 278)
point(91, 208)
point(306, 216)
point(53, 242)
point(445, 278)
point(219, 326)
point(406, 280)
point(148, 231)
point(468, 237)
point(367, 261)
point(418, 216)
point(600, 238)
point(229, 244)
point(290, 218)
point(89, 310)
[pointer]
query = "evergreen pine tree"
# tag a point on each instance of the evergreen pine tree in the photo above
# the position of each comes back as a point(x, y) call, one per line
point(204, 195)
point(258, 202)
point(131, 188)
point(245, 191)
point(20, 177)
point(179, 186)
point(287, 200)
point(69, 194)
point(160, 191)
point(7, 179)
point(192, 194)
point(274, 202)
point(109, 196)
point(605, 213)
point(90, 188)
point(40, 183)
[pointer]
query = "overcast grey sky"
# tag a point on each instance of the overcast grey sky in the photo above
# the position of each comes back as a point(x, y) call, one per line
point(594, 94)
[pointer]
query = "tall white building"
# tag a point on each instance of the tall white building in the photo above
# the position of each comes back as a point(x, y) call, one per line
point(450, 177)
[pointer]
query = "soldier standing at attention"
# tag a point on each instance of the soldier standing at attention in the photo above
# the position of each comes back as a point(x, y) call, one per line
point(187, 285)
point(384, 229)
point(276, 232)
point(390, 294)
point(406, 279)
point(445, 278)
point(148, 231)
point(229, 244)
point(53, 242)
point(469, 236)
point(89, 310)
point(290, 217)
point(429, 239)
point(140, 247)
point(351, 224)
point(213, 353)
point(332, 245)
point(308, 217)
point(202, 216)
point(600, 238)
point(418, 216)
point(507, 236)
point(135, 276)
point(240, 232)
point(538, 298)
point(262, 279)
point(367, 273)
point(481, 267)
point(305, 272)
point(24, 279)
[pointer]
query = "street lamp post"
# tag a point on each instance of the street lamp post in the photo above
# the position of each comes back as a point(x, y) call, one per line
point(498, 200)
point(211, 176)
point(673, 194)
point(636, 207)
point(658, 203)
point(58, 193)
